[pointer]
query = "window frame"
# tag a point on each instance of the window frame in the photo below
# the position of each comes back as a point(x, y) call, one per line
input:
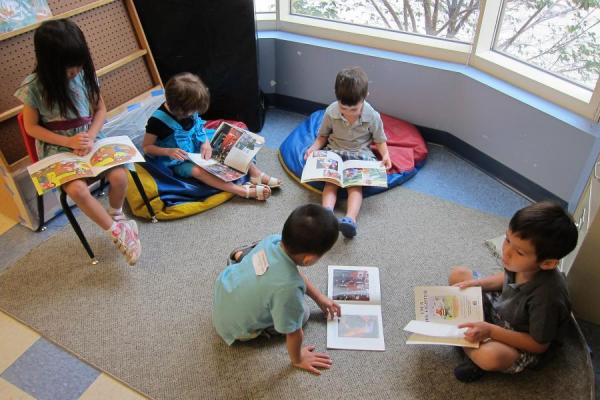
point(479, 55)
point(528, 77)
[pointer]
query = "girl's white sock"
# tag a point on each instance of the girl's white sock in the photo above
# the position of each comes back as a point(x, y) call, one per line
point(115, 211)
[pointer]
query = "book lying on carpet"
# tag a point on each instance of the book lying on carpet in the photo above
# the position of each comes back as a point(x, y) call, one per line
point(439, 310)
point(323, 165)
point(58, 169)
point(356, 290)
point(233, 149)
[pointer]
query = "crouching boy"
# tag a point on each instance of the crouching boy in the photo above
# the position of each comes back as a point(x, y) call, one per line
point(262, 292)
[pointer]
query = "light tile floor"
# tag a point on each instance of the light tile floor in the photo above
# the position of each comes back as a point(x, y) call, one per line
point(33, 368)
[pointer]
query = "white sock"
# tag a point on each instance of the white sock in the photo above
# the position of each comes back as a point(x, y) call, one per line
point(115, 211)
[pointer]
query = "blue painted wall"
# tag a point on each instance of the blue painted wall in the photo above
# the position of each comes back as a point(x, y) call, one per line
point(545, 143)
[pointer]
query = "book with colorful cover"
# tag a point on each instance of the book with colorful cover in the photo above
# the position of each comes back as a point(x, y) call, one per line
point(58, 169)
point(233, 149)
point(327, 166)
point(357, 291)
point(439, 310)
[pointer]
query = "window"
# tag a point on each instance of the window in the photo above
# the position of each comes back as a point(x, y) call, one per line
point(264, 6)
point(550, 48)
point(561, 37)
point(438, 18)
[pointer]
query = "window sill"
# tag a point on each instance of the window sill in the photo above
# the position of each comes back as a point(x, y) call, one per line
point(417, 45)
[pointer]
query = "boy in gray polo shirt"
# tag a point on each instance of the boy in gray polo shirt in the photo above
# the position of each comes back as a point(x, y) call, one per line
point(349, 127)
point(526, 306)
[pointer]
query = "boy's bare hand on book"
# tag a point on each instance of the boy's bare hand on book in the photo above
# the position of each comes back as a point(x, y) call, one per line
point(468, 284)
point(386, 161)
point(206, 150)
point(477, 331)
point(308, 153)
point(177, 154)
point(330, 308)
point(311, 360)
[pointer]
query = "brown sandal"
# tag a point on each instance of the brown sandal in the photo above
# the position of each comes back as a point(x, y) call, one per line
point(271, 182)
point(263, 192)
point(246, 249)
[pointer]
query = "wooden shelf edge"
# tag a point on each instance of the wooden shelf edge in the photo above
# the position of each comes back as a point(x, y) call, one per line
point(8, 114)
point(119, 63)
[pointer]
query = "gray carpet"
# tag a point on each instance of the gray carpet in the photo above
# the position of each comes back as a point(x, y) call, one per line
point(150, 325)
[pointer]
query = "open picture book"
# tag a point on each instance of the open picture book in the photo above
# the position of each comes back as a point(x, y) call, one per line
point(439, 310)
point(327, 166)
point(356, 290)
point(233, 149)
point(58, 169)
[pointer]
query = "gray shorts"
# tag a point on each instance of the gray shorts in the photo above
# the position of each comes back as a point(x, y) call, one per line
point(525, 358)
point(363, 154)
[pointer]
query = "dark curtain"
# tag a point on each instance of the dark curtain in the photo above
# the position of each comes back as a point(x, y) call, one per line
point(215, 39)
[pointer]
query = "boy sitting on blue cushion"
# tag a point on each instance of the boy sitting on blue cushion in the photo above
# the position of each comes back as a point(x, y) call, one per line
point(527, 305)
point(262, 293)
point(349, 127)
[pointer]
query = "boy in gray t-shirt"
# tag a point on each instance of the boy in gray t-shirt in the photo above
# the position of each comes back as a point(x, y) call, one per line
point(527, 305)
point(349, 127)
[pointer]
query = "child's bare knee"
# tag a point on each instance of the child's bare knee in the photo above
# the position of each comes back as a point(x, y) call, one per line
point(77, 190)
point(459, 274)
point(118, 177)
point(495, 362)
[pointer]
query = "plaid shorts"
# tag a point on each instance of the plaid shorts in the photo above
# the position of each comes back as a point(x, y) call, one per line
point(525, 358)
point(364, 154)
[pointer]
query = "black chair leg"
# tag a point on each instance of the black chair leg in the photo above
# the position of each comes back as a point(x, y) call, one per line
point(76, 227)
point(140, 188)
point(101, 192)
point(40, 206)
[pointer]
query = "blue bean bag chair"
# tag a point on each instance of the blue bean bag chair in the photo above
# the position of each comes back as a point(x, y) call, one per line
point(408, 151)
point(171, 196)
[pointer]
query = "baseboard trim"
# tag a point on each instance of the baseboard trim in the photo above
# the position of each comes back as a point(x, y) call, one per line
point(486, 163)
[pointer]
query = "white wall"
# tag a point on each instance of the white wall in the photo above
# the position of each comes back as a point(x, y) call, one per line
point(536, 139)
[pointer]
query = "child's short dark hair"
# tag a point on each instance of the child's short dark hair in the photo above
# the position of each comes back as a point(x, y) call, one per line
point(310, 229)
point(186, 93)
point(549, 227)
point(351, 86)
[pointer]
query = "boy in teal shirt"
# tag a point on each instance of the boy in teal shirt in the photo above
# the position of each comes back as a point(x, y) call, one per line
point(264, 290)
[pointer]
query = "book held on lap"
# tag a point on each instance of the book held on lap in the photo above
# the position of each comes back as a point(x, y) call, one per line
point(58, 169)
point(323, 165)
point(360, 326)
point(439, 310)
point(233, 149)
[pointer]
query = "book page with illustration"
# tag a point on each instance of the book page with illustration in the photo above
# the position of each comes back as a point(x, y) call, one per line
point(219, 170)
point(442, 306)
point(327, 166)
point(349, 284)
point(323, 165)
point(58, 169)
point(363, 173)
point(357, 291)
point(233, 149)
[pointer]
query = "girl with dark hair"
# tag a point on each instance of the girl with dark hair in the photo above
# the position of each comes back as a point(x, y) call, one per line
point(64, 111)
